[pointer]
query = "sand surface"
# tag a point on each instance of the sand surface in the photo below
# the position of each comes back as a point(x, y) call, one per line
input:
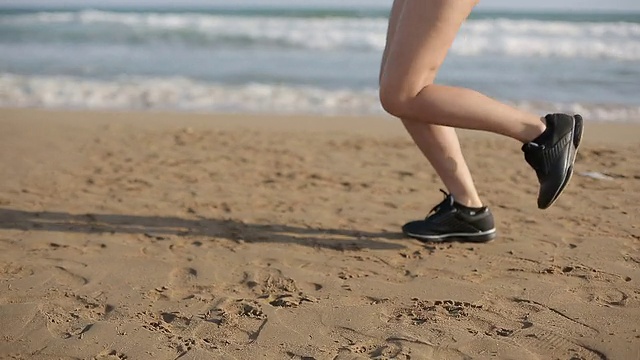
point(165, 236)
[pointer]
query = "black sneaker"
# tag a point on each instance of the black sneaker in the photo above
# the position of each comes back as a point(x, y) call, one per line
point(553, 154)
point(450, 221)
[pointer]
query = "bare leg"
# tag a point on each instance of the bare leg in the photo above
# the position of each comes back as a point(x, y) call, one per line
point(439, 144)
point(394, 17)
point(441, 147)
point(424, 33)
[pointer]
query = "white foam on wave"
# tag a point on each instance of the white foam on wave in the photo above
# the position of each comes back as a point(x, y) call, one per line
point(526, 38)
point(311, 33)
point(498, 36)
point(181, 94)
point(554, 28)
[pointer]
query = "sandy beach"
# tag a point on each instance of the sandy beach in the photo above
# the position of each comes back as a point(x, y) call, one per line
point(166, 236)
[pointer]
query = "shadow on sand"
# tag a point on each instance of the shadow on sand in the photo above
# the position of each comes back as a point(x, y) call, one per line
point(159, 227)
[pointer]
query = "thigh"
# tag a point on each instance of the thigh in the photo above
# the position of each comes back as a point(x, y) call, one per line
point(422, 37)
point(394, 16)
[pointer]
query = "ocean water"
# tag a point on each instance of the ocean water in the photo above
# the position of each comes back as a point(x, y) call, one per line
point(309, 61)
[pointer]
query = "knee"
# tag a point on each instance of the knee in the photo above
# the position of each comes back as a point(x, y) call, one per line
point(393, 100)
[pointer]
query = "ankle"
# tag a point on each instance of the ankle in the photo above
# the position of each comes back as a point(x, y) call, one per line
point(533, 130)
point(469, 202)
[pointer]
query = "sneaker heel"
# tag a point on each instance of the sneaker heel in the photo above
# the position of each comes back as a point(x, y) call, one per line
point(578, 129)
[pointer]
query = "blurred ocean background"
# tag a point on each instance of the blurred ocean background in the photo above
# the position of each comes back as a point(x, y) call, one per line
point(306, 60)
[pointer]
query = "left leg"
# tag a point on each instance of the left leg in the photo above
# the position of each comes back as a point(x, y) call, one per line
point(439, 144)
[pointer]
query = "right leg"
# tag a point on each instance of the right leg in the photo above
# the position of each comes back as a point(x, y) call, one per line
point(425, 31)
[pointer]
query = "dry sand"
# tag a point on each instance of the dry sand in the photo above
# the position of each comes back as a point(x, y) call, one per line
point(164, 236)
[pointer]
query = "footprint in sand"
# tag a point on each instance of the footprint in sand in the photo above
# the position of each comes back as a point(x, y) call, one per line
point(181, 282)
point(518, 326)
point(525, 265)
point(550, 345)
point(176, 320)
point(181, 285)
point(396, 347)
point(276, 289)
point(110, 355)
point(61, 323)
point(348, 273)
point(76, 316)
point(231, 321)
point(347, 354)
point(583, 272)
point(399, 347)
point(607, 296)
point(68, 278)
point(12, 271)
point(425, 311)
point(93, 309)
point(180, 330)
point(63, 272)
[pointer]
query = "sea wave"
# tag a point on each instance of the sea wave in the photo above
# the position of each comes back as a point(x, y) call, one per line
point(493, 36)
point(179, 93)
point(183, 94)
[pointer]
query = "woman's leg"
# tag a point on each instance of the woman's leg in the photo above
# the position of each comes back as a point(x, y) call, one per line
point(418, 43)
point(438, 143)
point(424, 33)
point(394, 17)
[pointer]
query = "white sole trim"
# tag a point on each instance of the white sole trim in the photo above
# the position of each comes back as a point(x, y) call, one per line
point(452, 235)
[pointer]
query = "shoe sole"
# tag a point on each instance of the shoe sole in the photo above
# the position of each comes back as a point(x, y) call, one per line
point(482, 237)
point(578, 129)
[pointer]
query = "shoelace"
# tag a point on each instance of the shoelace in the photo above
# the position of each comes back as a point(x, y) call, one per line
point(448, 200)
point(533, 146)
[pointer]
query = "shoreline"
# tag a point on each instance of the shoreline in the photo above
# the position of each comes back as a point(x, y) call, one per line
point(604, 131)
